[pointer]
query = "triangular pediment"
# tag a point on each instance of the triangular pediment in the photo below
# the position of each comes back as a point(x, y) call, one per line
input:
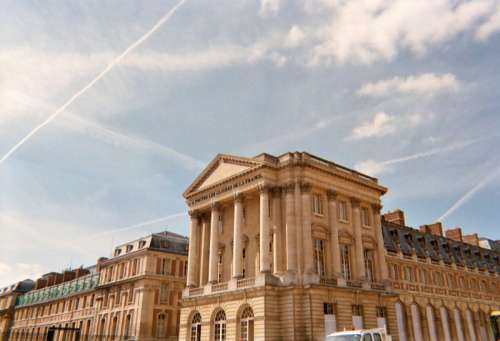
point(222, 167)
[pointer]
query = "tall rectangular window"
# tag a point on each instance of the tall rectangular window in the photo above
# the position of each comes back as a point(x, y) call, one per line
point(369, 265)
point(343, 216)
point(220, 269)
point(319, 256)
point(317, 204)
point(345, 259)
point(365, 216)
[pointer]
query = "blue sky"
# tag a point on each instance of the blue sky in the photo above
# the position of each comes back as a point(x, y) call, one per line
point(405, 91)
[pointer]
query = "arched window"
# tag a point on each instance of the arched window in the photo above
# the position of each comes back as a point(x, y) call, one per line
point(220, 326)
point(161, 327)
point(246, 325)
point(196, 327)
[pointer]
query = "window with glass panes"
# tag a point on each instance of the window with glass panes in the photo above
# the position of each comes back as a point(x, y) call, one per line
point(345, 261)
point(319, 256)
point(317, 204)
point(247, 325)
point(342, 208)
point(196, 327)
point(220, 268)
point(369, 265)
point(365, 216)
point(220, 326)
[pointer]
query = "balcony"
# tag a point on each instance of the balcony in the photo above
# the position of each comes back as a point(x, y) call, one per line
point(263, 280)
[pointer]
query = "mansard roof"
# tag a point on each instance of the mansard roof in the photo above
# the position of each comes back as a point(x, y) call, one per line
point(20, 287)
point(409, 241)
point(164, 241)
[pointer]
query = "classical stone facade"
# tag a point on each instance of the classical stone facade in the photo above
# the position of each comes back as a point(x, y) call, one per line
point(133, 295)
point(8, 297)
point(294, 247)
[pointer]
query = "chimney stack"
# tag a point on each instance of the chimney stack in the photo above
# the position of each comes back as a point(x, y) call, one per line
point(455, 234)
point(472, 239)
point(396, 217)
point(435, 229)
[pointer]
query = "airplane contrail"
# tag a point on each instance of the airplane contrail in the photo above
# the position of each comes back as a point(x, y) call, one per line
point(138, 225)
point(108, 68)
point(470, 194)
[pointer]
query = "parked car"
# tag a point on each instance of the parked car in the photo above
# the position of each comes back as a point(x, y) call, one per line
point(378, 334)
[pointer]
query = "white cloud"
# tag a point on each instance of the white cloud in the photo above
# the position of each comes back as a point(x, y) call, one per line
point(269, 7)
point(491, 26)
point(383, 124)
point(294, 37)
point(422, 84)
point(365, 31)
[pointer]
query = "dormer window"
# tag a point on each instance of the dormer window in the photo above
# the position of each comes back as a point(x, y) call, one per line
point(130, 248)
point(142, 243)
point(118, 252)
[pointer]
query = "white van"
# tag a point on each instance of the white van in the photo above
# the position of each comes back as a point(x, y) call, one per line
point(378, 334)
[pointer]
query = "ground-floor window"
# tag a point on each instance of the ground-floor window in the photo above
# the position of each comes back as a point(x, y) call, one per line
point(246, 325)
point(196, 327)
point(220, 326)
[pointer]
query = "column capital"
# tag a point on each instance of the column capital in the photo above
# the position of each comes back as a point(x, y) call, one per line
point(194, 214)
point(305, 187)
point(331, 194)
point(376, 206)
point(355, 202)
point(238, 197)
point(276, 191)
point(264, 188)
point(215, 206)
point(288, 187)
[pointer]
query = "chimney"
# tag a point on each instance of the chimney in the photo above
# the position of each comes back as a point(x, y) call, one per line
point(59, 278)
point(435, 229)
point(395, 217)
point(455, 234)
point(472, 239)
point(40, 283)
point(68, 275)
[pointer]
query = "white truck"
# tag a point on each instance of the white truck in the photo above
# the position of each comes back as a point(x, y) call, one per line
point(378, 334)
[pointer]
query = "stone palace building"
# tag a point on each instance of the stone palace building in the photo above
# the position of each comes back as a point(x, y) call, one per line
point(134, 295)
point(294, 247)
point(281, 248)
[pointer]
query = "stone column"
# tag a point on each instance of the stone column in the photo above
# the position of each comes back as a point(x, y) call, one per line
point(204, 254)
point(470, 325)
point(482, 326)
point(431, 322)
point(193, 255)
point(458, 324)
point(383, 272)
point(400, 318)
point(264, 230)
point(214, 244)
point(237, 238)
point(358, 236)
point(446, 323)
point(277, 233)
point(334, 233)
point(298, 228)
point(417, 325)
point(291, 242)
point(307, 229)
